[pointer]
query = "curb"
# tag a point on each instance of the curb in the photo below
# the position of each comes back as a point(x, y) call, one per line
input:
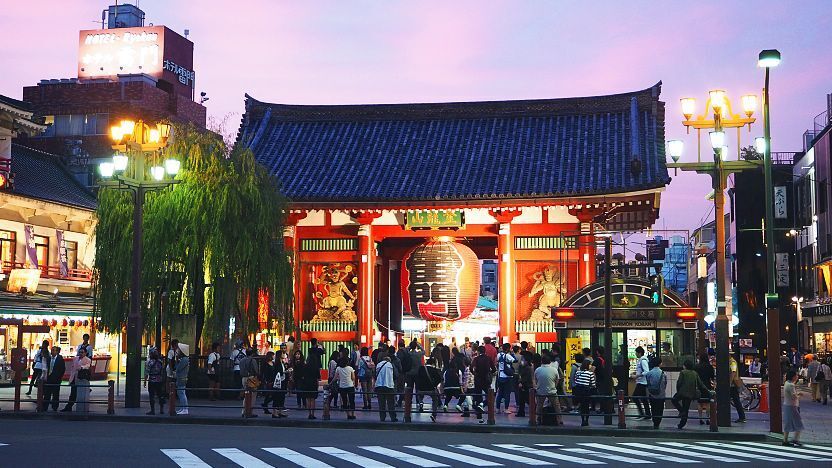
point(320, 424)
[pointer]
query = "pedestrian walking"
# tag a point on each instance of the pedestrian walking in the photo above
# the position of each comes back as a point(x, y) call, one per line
point(385, 387)
point(822, 378)
point(155, 381)
point(52, 384)
point(792, 422)
point(427, 384)
point(181, 369)
point(689, 387)
point(706, 373)
point(736, 385)
point(452, 385)
point(642, 367)
point(483, 368)
point(403, 356)
point(525, 382)
point(237, 355)
point(505, 377)
point(81, 380)
point(213, 372)
point(347, 380)
point(365, 372)
point(584, 388)
point(546, 378)
point(573, 372)
point(40, 364)
point(656, 390)
point(86, 348)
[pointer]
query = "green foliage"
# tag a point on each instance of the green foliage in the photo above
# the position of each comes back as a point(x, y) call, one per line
point(211, 242)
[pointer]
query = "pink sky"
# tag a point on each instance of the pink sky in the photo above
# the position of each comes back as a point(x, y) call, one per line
point(421, 51)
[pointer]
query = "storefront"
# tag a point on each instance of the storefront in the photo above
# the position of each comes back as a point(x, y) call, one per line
point(820, 319)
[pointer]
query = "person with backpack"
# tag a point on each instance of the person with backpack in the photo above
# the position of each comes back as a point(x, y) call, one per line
point(237, 355)
point(822, 378)
point(505, 377)
point(428, 379)
point(578, 360)
point(154, 371)
point(213, 372)
point(642, 368)
point(385, 387)
point(365, 372)
point(656, 388)
point(583, 388)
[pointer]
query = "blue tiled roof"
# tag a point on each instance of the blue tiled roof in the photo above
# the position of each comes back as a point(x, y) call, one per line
point(467, 150)
point(43, 176)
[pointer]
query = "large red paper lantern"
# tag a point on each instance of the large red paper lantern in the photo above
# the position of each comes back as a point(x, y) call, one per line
point(440, 280)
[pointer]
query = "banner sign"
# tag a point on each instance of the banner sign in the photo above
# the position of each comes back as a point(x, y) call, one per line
point(62, 260)
point(573, 346)
point(31, 250)
point(780, 206)
point(781, 267)
point(23, 278)
point(628, 324)
point(447, 219)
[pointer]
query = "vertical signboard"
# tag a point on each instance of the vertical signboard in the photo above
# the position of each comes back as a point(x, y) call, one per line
point(62, 260)
point(31, 250)
point(573, 346)
point(781, 267)
point(780, 205)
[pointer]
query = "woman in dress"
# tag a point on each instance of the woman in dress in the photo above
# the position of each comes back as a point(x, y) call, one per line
point(81, 376)
point(792, 422)
point(309, 376)
point(297, 363)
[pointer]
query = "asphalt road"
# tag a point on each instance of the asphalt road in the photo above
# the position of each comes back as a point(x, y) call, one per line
point(106, 444)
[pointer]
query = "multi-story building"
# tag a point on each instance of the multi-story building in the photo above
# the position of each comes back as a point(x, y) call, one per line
point(127, 70)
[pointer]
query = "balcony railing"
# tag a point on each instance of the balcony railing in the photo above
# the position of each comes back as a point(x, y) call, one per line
point(535, 327)
point(53, 272)
point(327, 326)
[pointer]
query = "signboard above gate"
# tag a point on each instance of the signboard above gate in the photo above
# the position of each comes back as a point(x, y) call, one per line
point(440, 219)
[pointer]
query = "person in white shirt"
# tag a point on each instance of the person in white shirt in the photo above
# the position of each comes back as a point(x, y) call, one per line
point(385, 388)
point(40, 365)
point(642, 368)
point(213, 375)
point(505, 376)
point(345, 376)
point(754, 368)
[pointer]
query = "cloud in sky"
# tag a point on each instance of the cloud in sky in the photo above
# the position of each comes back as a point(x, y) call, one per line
point(405, 51)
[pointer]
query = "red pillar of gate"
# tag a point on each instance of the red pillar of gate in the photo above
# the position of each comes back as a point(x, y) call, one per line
point(366, 269)
point(586, 246)
point(290, 244)
point(505, 274)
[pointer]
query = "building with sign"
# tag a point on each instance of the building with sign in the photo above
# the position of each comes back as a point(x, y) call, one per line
point(382, 196)
point(128, 70)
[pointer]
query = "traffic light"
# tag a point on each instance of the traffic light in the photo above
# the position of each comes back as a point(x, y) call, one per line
point(657, 289)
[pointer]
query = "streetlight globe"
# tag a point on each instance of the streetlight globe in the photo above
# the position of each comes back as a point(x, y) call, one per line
point(768, 58)
point(793, 232)
point(172, 166)
point(717, 100)
point(674, 149)
point(120, 162)
point(158, 172)
point(749, 104)
point(688, 107)
point(723, 153)
point(794, 299)
point(106, 169)
point(127, 127)
point(154, 136)
point(760, 145)
point(717, 139)
point(116, 133)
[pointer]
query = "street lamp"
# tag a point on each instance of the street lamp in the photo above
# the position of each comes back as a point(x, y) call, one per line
point(718, 116)
point(141, 142)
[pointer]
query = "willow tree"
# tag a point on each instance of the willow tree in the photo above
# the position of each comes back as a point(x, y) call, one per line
point(212, 242)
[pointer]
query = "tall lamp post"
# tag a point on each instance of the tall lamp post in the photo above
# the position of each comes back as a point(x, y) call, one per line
point(767, 59)
point(136, 144)
point(718, 170)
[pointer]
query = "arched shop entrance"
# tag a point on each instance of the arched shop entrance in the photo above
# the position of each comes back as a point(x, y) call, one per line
point(636, 321)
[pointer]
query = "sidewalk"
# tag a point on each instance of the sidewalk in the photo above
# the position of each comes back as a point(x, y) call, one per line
point(816, 417)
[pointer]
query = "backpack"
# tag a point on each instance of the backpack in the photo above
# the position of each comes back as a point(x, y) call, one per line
point(508, 368)
point(238, 358)
point(406, 361)
point(654, 385)
point(362, 368)
point(821, 375)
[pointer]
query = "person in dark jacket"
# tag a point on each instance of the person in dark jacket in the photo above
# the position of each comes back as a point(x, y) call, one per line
point(452, 385)
point(525, 382)
point(267, 374)
point(706, 374)
point(52, 384)
point(310, 374)
point(483, 368)
point(445, 352)
point(428, 379)
point(603, 379)
point(689, 387)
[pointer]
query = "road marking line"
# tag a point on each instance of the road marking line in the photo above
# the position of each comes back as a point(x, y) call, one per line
point(297, 458)
point(405, 457)
point(502, 455)
point(185, 458)
point(549, 445)
point(733, 453)
point(817, 447)
point(683, 452)
point(609, 456)
point(775, 452)
point(547, 454)
point(453, 455)
point(639, 453)
point(801, 450)
point(241, 458)
point(351, 457)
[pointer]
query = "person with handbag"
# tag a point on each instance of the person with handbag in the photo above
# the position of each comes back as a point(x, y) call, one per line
point(249, 373)
point(386, 387)
point(155, 381)
point(689, 387)
point(213, 372)
point(279, 384)
point(428, 380)
point(40, 365)
point(81, 376)
point(505, 377)
point(583, 388)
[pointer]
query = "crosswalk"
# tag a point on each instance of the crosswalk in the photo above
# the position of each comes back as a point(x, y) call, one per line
point(581, 453)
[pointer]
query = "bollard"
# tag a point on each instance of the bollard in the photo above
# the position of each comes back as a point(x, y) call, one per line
point(491, 420)
point(408, 403)
point(622, 417)
point(40, 396)
point(111, 398)
point(327, 400)
point(247, 404)
point(532, 407)
point(171, 399)
point(712, 415)
point(764, 398)
point(17, 391)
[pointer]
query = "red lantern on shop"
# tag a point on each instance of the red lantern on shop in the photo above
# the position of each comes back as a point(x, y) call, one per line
point(440, 280)
point(45, 322)
point(72, 323)
point(54, 323)
point(64, 322)
point(86, 323)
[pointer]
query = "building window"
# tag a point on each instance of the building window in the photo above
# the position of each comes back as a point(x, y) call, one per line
point(77, 124)
point(42, 250)
point(71, 255)
point(8, 247)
